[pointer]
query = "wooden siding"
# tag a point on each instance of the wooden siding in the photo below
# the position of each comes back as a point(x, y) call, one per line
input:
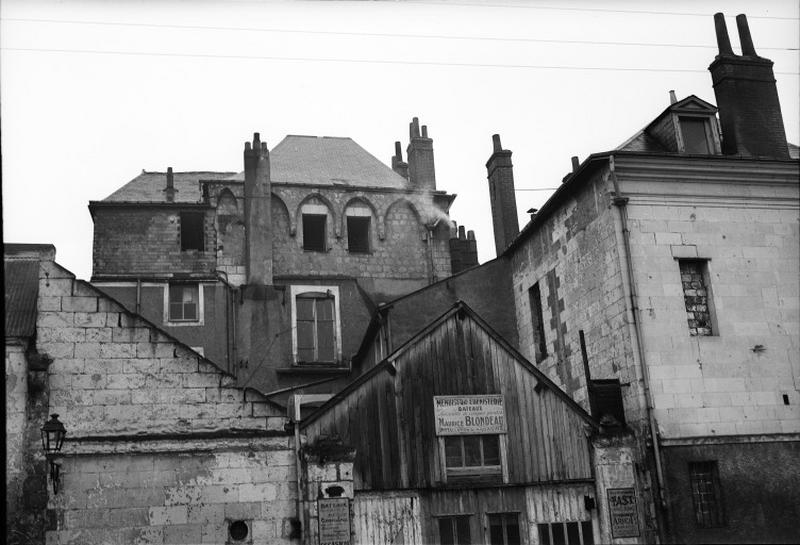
point(408, 517)
point(389, 417)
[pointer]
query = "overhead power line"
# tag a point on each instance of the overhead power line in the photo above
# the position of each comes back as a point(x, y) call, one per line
point(370, 34)
point(493, 4)
point(362, 61)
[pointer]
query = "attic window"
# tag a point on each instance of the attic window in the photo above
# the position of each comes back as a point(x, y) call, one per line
point(696, 138)
point(192, 231)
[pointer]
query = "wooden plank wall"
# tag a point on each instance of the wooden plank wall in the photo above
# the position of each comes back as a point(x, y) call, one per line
point(390, 420)
point(388, 518)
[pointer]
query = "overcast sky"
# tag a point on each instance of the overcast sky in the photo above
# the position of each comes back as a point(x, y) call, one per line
point(94, 92)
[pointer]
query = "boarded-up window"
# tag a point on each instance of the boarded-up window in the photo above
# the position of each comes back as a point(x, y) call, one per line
point(314, 232)
point(504, 529)
point(192, 231)
point(706, 494)
point(566, 533)
point(696, 296)
point(454, 530)
point(695, 135)
point(316, 328)
point(183, 302)
point(358, 234)
point(472, 454)
point(537, 322)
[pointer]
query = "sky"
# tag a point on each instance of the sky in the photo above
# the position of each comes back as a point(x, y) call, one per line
point(93, 92)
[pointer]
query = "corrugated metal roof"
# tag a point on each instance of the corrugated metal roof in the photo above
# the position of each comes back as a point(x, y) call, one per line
point(325, 160)
point(22, 288)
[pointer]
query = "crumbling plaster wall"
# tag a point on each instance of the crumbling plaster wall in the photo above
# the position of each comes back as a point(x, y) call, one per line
point(574, 256)
point(161, 447)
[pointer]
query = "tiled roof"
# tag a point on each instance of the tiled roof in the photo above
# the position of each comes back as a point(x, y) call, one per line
point(325, 160)
point(794, 150)
point(22, 288)
point(149, 187)
point(641, 141)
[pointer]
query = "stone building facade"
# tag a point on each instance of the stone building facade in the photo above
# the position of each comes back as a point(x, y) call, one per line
point(274, 272)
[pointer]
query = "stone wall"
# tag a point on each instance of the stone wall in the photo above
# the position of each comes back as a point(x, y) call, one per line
point(161, 445)
point(140, 240)
point(743, 378)
point(574, 257)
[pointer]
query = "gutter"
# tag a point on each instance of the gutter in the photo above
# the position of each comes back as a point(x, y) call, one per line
point(629, 285)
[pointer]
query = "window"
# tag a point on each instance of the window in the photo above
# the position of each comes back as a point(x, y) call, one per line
point(504, 529)
point(184, 303)
point(566, 533)
point(472, 454)
point(605, 397)
point(315, 314)
point(704, 480)
point(314, 232)
point(539, 344)
point(697, 296)
point(454, 530)
point(695, 135)
point(192, 231)
point(358, 234)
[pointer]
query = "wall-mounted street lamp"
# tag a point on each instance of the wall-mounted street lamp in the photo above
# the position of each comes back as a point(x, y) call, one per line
point(53, 433)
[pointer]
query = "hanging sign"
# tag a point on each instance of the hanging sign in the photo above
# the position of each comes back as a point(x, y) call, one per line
point(623, 513)
point(469, 415)
point(334, 521)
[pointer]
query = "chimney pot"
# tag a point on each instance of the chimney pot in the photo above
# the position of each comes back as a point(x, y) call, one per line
point(398, 151)
point(723, 40)
point(470, 235)
point(496, 142)
point(575, 163)
point(414, 127)
point(462, 235)
point(247, 146)
point(744, 36)
point(424, 131)
point(672, 98)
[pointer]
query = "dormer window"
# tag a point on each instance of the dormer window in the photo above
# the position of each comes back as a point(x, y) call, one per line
point(696, 135)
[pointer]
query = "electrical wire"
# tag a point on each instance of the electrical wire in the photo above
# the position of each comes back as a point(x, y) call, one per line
point(374, 34)
point(362, 61)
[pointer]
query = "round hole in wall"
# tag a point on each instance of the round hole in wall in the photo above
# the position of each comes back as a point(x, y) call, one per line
point(238, 530)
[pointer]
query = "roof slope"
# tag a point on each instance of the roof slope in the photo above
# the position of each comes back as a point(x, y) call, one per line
point(22, 288)
point(149, 187)
point(313, 160)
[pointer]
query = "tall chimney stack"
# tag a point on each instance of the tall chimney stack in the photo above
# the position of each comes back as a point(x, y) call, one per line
point(421, 170)
point(744, 85)
point(257, 213)
point(169, 191)
point(501, 195)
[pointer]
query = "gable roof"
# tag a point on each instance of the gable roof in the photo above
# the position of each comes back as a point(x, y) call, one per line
point(313, 160)
point(388, 365)
point(643, 141)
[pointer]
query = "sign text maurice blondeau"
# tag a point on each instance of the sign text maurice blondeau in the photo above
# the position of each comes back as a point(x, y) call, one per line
point(469, 414)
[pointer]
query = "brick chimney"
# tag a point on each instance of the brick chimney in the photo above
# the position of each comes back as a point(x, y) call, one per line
point(744, 85)
point(463, 250)
point(501, 196)
point(170, 190)
point(421, 172)
point(397, 161)
point(257, 213)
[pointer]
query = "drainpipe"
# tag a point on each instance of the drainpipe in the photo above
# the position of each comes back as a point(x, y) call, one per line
point(138, 295)
point(629, 285)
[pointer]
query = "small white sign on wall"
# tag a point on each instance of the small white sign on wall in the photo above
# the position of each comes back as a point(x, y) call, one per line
point(334, 521)
point(469, 414)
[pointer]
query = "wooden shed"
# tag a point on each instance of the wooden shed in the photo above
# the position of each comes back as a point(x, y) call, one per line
point(459, 439)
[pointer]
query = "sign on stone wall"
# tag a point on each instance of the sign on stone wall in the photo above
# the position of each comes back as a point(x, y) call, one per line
point(623, 513)
point(334, 521)
point(469, 415)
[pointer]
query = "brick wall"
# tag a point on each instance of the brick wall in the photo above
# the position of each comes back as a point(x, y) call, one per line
point(161, 447)
point(140, 240)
